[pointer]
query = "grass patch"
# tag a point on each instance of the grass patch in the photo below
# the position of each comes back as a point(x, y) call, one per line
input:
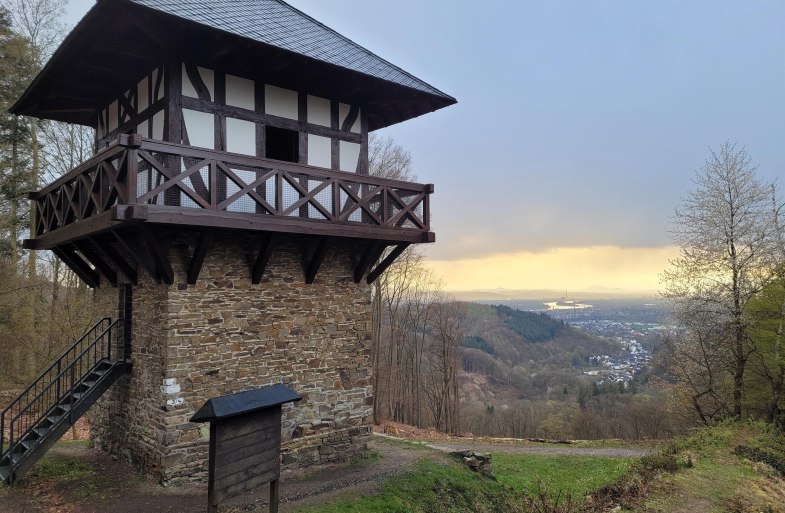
point(60, 468)
point(432, 487)
point(730, 467)
point(366, 459)
point(86, 443)
point(577, 476)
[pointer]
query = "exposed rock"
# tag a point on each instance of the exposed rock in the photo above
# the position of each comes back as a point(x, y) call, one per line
point(477, 461)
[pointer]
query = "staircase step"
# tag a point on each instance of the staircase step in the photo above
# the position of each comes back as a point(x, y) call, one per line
point(64, 408)
point(29, 444)
point(54, 419)
point(5, 473)
point(41, 431)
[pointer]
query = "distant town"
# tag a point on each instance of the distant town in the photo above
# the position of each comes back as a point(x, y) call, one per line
point(638, 325)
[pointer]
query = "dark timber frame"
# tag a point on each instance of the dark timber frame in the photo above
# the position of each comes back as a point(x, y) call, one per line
point(105, 199)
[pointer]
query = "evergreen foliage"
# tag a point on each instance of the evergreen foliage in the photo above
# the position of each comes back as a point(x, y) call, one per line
point(533, 327)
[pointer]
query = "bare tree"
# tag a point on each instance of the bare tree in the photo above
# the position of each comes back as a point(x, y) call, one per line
point(39, 21)
point(448, 328)
point(724, 236)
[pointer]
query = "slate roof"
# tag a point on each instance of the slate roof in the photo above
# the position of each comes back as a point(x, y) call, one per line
point(245, 402)
point(278, 24)
point(119, 41)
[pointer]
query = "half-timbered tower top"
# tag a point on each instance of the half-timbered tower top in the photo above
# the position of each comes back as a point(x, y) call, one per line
point(119, 40)
point(243, 115)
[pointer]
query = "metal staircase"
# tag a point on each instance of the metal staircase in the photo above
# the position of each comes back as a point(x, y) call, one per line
point(47, 408)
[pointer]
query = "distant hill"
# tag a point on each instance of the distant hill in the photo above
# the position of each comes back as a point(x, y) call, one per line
point(527, 351)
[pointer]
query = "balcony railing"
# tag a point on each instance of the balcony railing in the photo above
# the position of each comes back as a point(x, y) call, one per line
point(143, 180)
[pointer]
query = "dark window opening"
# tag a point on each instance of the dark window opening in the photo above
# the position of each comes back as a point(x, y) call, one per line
point(282, 144)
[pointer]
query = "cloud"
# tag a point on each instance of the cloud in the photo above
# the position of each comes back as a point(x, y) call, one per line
point(634, 269)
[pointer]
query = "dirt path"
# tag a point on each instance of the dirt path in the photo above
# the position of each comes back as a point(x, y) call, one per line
point(566, 450)
point(76, 479)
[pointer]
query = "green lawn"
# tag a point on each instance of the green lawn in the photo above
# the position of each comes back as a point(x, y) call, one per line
point(429, 487)
point(574, 475)
point(433, 486)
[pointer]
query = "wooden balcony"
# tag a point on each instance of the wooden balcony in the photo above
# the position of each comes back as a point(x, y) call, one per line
point(140, 183)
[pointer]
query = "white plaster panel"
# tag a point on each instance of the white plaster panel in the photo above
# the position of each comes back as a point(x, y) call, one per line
point(208, 77)
point(343, 111)
point(160, 93)
point(112, 122)
point(280, 102)
point(319, 111)
point(142, 95)
point(158, 126)
point(240, 92)
point(240, 136)
point(319, 151)
point(356, 127)
point(99, 126)
point(144, 128)
point(200, 127)
point(125, 115)
point(349, 156)
point(188, 88)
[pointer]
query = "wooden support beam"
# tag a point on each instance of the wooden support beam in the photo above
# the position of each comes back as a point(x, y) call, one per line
point(316, 260)
point(202, 245)
point(163, 268)
point(117, 259)
point(91, 255)
point(131, 250)
point(371, 254)
point(387, 262)
point(260, 264)
point(77, 265)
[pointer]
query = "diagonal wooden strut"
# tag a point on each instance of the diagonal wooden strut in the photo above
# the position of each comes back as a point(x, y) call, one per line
point(118, 260)
point(370, 255)
point(260, 264)
point(202, 245)
point(387, 262)
point(316, 260)
point(163, 268)
point(77, 265)
point(91, 255)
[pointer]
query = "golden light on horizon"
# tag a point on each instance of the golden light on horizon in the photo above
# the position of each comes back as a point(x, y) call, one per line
point(633, 269)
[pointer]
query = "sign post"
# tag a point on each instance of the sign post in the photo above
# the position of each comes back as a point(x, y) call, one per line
point(245, 442)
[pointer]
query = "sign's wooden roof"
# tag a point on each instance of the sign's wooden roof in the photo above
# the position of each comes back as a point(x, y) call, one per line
point(249, 401)
point(118, 41)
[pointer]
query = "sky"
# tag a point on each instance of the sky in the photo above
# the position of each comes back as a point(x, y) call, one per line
point(579, 124)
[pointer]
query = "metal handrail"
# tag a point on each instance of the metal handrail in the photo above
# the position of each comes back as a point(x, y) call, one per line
point(57, 362)
point(69, 369)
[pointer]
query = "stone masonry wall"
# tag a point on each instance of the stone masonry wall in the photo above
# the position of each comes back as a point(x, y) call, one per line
point(224, 335)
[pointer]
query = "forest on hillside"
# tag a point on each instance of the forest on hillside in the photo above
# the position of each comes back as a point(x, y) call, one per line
point(544, 375)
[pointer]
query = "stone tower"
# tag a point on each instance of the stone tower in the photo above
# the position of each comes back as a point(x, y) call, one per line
point(228, 214)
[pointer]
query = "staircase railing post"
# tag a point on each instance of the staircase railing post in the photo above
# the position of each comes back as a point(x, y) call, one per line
point(59, 377)
point(109, 344)
point(73, 366)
